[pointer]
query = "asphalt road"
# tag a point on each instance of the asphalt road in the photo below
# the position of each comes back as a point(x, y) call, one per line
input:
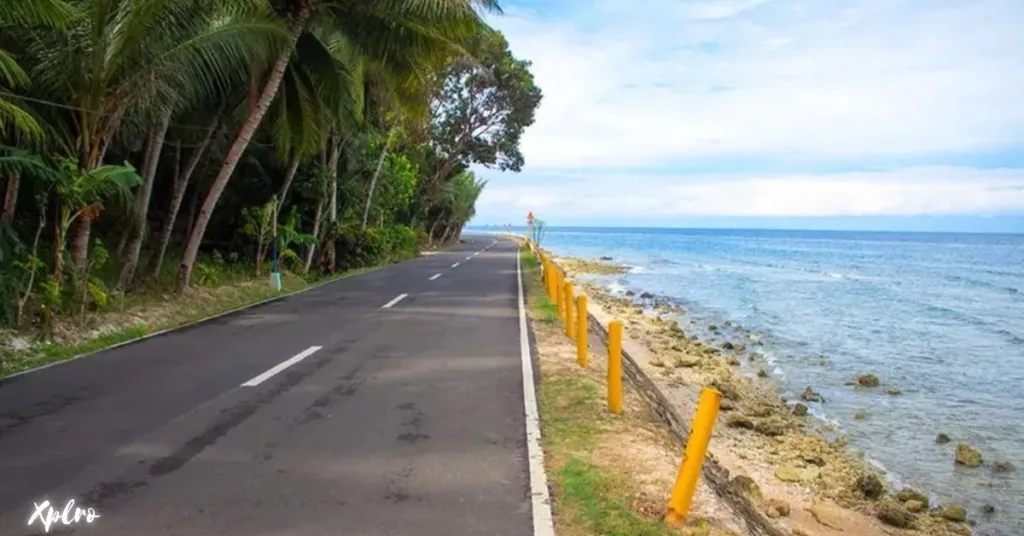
point(325, 413)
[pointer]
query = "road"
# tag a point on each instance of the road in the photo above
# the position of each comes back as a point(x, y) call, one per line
point(390, 403)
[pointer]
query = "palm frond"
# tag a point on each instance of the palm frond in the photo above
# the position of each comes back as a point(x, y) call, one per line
point(35, 13)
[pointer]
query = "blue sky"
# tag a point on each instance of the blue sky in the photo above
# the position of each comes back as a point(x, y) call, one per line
point(867, 114)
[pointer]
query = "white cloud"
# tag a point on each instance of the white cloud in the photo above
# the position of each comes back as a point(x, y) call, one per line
point(917, 191)
point(631, 83)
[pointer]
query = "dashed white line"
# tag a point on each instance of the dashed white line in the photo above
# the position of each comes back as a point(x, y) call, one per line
point(435, 276)
point(456, 265)
point(469, 257)
point(477, 253)
point(281, 366)
point(391, 303)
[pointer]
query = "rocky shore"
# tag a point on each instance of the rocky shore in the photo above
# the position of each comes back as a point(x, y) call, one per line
point(794, 467)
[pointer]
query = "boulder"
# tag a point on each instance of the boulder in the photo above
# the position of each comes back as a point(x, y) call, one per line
point(830, 516)
point(942, 439)
point(800, 409)
point(712, 327)
point(967, 456)
point(894, 514)
point(789, 473)
point(727, 389)
point(955, 513)
point(894, 391)
point(630, 293)
point(770, 427)
point(762, 373)
point(686, 361)
point(646, 296)
point(914, 507)
point(988, 509)
point(866, 380)
point(1003, 466)
point(870, 485)
point(747, 487)
point(606, 258)
point(739, 421)
point(810, 395)
point(861, 415)
point(728, 345)
point(775, 508)
point(911, 494)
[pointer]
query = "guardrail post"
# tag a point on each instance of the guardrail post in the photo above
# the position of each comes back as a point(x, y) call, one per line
point(581, 331)
point(560, 294)
point(615, 366)
point(570, 328)
point(693, 456)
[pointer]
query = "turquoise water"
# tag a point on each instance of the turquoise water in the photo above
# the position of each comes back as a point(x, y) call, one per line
point(941, 316)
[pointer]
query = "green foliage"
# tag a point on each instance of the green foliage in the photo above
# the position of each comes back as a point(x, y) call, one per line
point(87, 83)
point(375, 245)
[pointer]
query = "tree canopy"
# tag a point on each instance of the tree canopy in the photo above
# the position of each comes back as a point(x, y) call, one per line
point(140, 139)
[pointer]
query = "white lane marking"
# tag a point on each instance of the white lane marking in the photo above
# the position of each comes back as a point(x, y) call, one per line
point(456, 265)
point(395, 300)
point(281, 366)
point(477, 253)
point(542, 523)
point(469, 257)
point(435, 276)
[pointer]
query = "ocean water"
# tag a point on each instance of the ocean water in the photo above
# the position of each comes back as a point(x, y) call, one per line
point(941, 316)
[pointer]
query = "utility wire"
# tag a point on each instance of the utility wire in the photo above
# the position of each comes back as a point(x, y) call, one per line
point(79, 109)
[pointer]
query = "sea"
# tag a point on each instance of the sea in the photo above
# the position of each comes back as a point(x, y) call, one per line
point(938, 315)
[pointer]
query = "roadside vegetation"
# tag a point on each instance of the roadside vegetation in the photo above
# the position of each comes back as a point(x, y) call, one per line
point(159, 158)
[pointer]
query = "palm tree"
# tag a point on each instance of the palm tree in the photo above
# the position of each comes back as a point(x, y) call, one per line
point(24, 14)
point(131, 60)
point(379, 29)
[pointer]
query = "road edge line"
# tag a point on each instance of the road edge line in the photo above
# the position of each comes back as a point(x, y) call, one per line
point(543, 524)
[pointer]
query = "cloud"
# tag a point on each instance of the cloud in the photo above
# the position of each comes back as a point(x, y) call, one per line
point(641, 84)
point(918, 191)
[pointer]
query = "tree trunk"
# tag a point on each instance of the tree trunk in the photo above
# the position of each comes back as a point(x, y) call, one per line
point(152, 162)
point(80, 242)
point(332, 170)
point(23, 299)
point(288, 178)
point(433, 229)
point(10, 198)
point(193, 207)
point(376, 175)
point(447, 231)
point(316, 235)
point(245, 133)
point(178, 195)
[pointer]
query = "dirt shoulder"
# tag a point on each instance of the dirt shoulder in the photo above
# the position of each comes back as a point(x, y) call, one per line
point(771, 447)
point(610, 474)
point(140, 315)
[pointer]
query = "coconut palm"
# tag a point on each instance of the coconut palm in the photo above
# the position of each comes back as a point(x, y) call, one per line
point(24, 14)
point(122, 61)
point(391, 30)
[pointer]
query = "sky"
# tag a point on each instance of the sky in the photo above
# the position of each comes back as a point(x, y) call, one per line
point(832, 114)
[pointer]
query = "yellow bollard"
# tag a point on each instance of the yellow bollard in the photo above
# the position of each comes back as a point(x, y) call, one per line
point(559, 295)
point(615, 366)
point(581, 331)
point(570, 328)
point(693, 457)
